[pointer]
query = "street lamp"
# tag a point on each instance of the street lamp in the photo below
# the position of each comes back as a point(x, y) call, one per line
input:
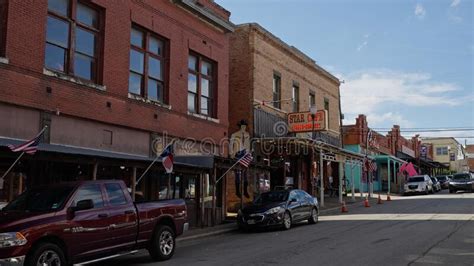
point(313, 111)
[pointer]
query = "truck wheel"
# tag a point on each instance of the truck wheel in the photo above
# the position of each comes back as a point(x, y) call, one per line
point(162, 244)
point(46, 254)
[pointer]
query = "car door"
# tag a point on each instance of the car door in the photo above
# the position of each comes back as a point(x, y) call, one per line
point(294, 206)
point(88, 230)
point(122, 216)
point(304, 203)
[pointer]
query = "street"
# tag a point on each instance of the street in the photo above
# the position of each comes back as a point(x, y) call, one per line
point(414, 230)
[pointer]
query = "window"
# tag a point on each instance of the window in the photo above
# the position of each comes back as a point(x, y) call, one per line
point(276, 91)
point(115, 194)
point(312, 99)
point(147, 65)
point(201, 85)
point(295, 95)
point(442, 151)
point(72, 39)
point(3, 26)
point(92, 192)
point(326, 104)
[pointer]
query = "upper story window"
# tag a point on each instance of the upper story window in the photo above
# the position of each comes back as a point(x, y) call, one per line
point(276, 91)
point(3, 26)
point(295, 96)
point(441, 150)
point(201, 85)
point(312, 99)
point(147, 65)
point(72, 38)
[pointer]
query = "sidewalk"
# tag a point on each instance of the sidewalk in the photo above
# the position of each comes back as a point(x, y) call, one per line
point(331, 206)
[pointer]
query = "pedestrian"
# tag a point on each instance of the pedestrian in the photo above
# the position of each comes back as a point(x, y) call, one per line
point(331, 187)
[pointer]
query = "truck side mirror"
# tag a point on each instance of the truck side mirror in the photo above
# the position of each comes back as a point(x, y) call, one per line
point(80, 205)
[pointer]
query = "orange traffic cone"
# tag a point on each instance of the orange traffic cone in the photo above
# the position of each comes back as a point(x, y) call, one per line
point(379, 201)
point(366, 202)
point(388, 197)
point(344, 207)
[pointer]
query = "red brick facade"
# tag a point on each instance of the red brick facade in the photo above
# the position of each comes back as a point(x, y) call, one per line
point(24, 83)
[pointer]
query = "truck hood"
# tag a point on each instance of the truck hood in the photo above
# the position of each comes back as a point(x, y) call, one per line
point(18, 220)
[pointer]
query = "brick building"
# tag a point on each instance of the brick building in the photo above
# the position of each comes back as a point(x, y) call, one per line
point(390, 152)
point(449, 152)
point(269, 80)
point(470, 156)
point(114, 83)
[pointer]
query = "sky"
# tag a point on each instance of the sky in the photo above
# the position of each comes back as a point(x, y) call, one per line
point(403, 62)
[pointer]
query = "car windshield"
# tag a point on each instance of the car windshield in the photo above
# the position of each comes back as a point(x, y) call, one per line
point(40, 200)
point(273, 196)
point(416, 179)
point(461, 176)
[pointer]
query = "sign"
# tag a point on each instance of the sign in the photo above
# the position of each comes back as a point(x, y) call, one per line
point(408, 151)
point(423, 151)
point(303, 122)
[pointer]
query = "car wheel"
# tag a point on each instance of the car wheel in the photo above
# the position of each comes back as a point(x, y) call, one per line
point(427, 191)
point(314, 216)
point(47, 254)
point(162, 244)
point(287, 221)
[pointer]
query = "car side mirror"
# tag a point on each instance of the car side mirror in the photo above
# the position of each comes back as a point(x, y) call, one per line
point(84, 205)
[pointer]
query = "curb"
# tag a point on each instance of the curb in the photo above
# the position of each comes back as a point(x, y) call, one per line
point(233, 226)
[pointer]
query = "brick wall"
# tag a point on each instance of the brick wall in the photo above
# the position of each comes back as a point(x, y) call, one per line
point(22, 82)
point(269, 55)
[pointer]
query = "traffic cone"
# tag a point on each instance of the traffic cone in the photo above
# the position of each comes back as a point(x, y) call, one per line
point(379, 201)
point(366, 202)
point(388, 197)
point(344, 207)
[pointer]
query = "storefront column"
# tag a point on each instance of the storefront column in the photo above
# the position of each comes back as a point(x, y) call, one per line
point(360, 182)
point(341, 176)
point(321, 173)
point(352, 181)
point(389, 163)
point(94, 171)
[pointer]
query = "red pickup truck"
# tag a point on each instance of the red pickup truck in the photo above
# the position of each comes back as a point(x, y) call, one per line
point(86, 222)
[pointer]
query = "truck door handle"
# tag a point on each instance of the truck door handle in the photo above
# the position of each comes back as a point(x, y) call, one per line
point(103, 215)
point(129, 212)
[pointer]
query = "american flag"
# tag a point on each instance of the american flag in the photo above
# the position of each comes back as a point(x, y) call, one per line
point(246, 159)
point(29, 147)
point(370, 165)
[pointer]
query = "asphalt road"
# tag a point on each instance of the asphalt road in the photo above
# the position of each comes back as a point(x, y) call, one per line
point(416, 230)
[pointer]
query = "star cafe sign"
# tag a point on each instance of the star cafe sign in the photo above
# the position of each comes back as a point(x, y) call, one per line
point(303, 121)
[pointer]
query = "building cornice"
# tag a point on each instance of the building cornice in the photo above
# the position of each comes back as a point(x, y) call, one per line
point(206, 14)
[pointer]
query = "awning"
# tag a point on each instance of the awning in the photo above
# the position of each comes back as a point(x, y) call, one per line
point(197, 161)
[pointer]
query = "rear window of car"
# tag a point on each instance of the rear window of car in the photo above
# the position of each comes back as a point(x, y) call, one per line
point(115, 194)
point(416, 179)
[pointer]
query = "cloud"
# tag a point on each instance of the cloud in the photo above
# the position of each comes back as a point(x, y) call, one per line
point(364, 43)
point(420, 11)
point(455, 3)
point(368, 92)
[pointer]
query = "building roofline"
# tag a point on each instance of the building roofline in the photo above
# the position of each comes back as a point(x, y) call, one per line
point(207, 15)
point(291, 49)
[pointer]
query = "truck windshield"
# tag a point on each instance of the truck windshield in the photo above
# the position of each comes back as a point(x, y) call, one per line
point(40, 200)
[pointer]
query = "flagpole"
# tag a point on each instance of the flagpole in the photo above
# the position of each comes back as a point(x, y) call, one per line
point(146, 171)
point(11, 167)
point(229, 169)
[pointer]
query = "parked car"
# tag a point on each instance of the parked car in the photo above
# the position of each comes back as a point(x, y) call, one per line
point(280, 208)
point(463, 182)
point(444, 181)
point(418, 184)
point(436, 184)
point(86, 221)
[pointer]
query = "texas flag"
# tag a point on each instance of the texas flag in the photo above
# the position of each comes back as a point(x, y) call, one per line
point(167, 158)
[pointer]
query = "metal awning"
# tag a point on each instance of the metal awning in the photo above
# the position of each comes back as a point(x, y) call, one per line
point(196, 161)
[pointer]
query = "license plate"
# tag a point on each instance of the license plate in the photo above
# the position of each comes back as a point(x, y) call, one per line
point(251, 222)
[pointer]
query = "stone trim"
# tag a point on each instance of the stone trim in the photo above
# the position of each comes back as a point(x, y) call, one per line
point(4, 60)
point(50, 73)
point(217, 121)
point(149, 101)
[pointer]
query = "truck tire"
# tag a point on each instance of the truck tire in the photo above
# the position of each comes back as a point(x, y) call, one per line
point(163, 243)
point(46, 254)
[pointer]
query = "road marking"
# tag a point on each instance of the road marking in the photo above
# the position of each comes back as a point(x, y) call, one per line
point(399, 217)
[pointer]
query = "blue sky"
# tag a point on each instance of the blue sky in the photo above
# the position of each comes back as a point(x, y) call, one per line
point(404, 62)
